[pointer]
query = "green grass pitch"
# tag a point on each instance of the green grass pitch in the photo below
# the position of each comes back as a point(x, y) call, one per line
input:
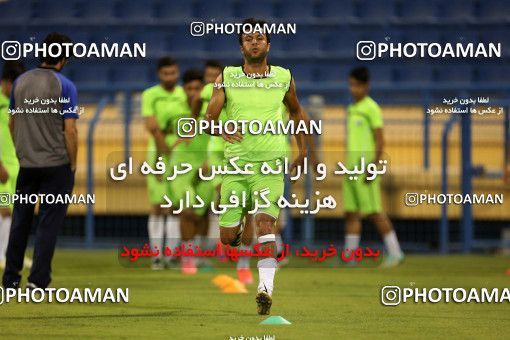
point(328, 303)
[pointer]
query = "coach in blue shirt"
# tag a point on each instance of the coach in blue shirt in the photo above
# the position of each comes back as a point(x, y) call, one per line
point(45, 136)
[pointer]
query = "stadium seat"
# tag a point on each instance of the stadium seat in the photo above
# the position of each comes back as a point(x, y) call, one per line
point(454, 12)
point(302, 72)
point(98, 11)
point(381, 74)
point(296, 10)
point(341, 42)
point(419, 73)
point(255, 9)
point(175, 11)
point(375, 11)
point(416, 12)
point(304, 42)
point(137, 11)
point(493, 12)
point(454, 74)
point(90, 73)
point(181, 42)
point(331, 72)
point(157, 41)
point(112, 35)
point(59, 11)
point(220, 9)
point(14, 12)
point(492, 73)
point(340, 12)
point(132, 73)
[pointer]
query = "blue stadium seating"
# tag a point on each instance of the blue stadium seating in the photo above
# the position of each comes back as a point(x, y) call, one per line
point(296, 10)
point(137, 11)
point(255, 9)
point(323, 50)
point(219, 9)
point(456, 11)
point(375, 11)
point(493, 12)
point(98, 11)
point(340, 12)
point(168, 11)
point(458, 74)
point(416, 12)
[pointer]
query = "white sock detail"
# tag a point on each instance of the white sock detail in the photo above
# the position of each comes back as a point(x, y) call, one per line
point(267, 238)
point(391, 243)
point(351, 243)
point(173, 231)
point(214, 228)
point(244, 261)
point(5, 228)
point(279, 243)
point(155, 228)
point(267, 269)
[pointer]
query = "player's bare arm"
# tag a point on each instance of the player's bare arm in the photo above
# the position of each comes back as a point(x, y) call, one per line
point(296, 114)
point(71, 140)
point(152, 127)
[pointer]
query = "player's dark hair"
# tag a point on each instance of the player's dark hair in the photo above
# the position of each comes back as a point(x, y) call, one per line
point(361, 74)
point(12, 69)
point(213, 63)
point(191, 75)
point(59, 39)
point(166, 61)
point(252, 22)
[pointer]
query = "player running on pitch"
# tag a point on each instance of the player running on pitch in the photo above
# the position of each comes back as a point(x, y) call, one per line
point(365, 139)
point(247, 96)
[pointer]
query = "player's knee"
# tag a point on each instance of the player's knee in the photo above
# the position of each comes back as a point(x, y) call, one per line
point(265, 224)
point(227, 235)
point(352, 216)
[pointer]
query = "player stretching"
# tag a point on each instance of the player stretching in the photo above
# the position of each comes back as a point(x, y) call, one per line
point(246, 98)
point(365, 139)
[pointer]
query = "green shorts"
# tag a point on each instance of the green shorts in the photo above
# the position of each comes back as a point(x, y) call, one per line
point(362, 197)
point(157, 189)
point(235, 185)
point(9, 187)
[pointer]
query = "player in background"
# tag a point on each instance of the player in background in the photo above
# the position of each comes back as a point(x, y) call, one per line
point(192, 151)
point(161, 107)
point(365, 138)
point(9, 164)
point(262, 104)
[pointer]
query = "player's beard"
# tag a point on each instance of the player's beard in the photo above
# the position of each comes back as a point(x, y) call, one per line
point(258, 59)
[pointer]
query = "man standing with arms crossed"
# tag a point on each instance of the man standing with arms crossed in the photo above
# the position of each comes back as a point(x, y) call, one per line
point(46, 146)
point(263, 103)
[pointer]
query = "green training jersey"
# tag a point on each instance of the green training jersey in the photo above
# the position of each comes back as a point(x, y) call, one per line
point(166, 107)
point(256, 99)
point(7, 149)
point(362, 118)
point(216, 143)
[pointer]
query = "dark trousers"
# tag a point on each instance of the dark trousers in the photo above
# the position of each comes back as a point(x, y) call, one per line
point(49, 180)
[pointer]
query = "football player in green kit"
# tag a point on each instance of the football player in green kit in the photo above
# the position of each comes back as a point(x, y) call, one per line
point(9, 165)
point(162, 106)
point(260, 102)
